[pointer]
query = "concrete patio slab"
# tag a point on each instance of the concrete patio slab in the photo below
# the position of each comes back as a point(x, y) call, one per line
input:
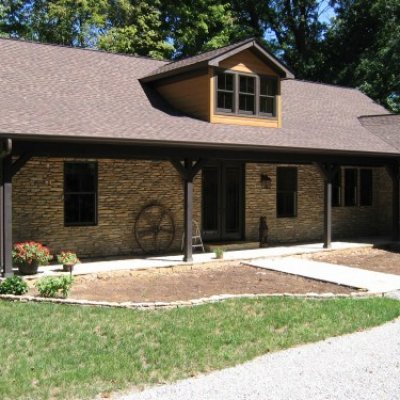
point(141, 263)
point(353, 277)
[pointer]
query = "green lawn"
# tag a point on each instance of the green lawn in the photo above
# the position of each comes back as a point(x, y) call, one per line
point(58, 351)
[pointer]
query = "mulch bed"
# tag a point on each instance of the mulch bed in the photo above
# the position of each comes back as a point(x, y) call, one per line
point(185, 283)
point(374, 259)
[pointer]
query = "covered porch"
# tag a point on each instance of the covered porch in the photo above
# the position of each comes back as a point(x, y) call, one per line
point(188, 161)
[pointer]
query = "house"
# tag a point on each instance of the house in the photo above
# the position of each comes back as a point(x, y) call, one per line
point(109, 154)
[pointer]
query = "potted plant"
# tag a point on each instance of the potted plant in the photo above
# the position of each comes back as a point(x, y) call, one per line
point(29, 255)
point(68, 259)
point(219, 253)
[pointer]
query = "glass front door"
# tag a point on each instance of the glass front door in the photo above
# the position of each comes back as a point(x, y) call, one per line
point(222, 202)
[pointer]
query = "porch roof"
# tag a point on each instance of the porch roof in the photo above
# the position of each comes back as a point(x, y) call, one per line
point(53, 92)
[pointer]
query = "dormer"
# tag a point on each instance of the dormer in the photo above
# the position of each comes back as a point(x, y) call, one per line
point(238, 84)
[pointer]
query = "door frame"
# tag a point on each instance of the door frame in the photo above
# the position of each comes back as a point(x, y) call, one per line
point(220, 234)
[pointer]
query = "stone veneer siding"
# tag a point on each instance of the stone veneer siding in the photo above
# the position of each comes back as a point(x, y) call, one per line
point(125, 186)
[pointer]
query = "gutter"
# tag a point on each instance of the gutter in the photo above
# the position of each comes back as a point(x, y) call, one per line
point(193, 145)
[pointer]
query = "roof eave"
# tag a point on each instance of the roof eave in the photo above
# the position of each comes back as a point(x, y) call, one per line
point(282, 69)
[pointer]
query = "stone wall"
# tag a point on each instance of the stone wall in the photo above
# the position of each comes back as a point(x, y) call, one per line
point(125, 187)
point(347, 222)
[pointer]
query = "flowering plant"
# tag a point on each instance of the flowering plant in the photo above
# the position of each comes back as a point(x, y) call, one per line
point(28, 253)
point(67, 258)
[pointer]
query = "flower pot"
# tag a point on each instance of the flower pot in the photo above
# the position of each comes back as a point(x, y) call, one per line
point(68, 267)
point(29, 269)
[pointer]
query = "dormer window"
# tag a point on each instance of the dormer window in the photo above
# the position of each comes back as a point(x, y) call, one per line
point(225, 93)
point(245, 94)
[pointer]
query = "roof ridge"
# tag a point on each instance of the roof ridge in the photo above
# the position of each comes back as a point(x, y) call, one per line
point(380, 115)
point(231, 45)
point(94, 50)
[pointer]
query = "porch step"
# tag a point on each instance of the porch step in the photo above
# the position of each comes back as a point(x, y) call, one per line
point(231, 246)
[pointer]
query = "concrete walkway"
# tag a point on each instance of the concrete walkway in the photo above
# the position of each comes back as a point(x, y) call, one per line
point(361, 366)
point(170, 261)
point(339, 274)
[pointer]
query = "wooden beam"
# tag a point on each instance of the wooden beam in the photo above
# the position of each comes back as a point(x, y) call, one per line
point(328, 172)
point(7, 241)
point(188, 217)
point(178, 152)
point(393, 170)
point(20, 162)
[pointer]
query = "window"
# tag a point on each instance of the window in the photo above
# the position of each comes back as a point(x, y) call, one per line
point(80, 193)
point(286, 196)
point(358, 187)
point(350, 187)
point(366, 187)
point(246, 94)
point(337, 190)
point(267, 96)
point(225, 92)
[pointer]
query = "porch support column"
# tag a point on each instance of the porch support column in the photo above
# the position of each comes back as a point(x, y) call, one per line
point(188, 217)
point(6, 208)
point(7, 215)
point(188, 170)
point(328, 172)
point(393, 170)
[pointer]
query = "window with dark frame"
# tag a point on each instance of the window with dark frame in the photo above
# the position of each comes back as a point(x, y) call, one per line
point(268, 92)
point(286, 193)
point(225, 92)
point(350, 187)
point(80, 193)
point(337, 190)
point(247, 95)
point(250, 95)
point(366, 188)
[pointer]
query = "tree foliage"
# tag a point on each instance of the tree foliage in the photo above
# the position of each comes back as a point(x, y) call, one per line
point(359, 47)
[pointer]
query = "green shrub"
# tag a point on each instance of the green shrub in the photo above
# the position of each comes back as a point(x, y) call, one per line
point(13, 285)
point(52, 286)
point(219, 252)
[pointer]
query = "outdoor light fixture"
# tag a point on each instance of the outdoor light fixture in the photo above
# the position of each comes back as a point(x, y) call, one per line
point(266, 181)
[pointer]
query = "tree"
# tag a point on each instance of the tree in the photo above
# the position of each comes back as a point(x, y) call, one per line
point(196, 26)
point(364, 48)
point(135, 27)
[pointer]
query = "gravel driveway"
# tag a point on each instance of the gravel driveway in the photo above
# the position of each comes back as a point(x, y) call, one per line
point(364, 365)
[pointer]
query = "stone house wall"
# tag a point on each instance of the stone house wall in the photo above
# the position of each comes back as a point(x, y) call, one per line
point(126, 186)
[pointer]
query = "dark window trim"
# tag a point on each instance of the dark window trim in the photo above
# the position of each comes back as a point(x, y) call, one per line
point(236, 88)
point(358, 182)
point(295, 192)
point(95, 192)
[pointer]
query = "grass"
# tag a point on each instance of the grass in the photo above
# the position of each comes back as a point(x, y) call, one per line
point(63, 352)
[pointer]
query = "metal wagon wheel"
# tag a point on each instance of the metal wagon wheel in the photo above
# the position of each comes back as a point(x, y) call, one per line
point(154, 229)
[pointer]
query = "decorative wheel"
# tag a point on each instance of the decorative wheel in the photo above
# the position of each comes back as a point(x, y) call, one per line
point(154, 229)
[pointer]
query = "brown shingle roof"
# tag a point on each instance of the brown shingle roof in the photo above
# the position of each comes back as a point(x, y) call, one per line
point(64, 92)
point(386, 127)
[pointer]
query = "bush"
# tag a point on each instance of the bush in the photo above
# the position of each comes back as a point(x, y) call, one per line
point(52, 286)
point(13, 285)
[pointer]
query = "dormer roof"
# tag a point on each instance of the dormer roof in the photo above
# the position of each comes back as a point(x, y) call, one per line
point(214, 57)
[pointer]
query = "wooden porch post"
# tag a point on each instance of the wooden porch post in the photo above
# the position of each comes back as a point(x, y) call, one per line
point(328, 172)
point(188, 217)
point(188, 170)
point(327, 214)
point(7, 215)
point(394, 173)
